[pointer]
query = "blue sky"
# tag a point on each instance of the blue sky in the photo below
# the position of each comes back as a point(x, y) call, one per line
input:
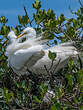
point(12, 8)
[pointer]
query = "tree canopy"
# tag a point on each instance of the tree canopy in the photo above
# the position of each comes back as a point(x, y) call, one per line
point(27, 92)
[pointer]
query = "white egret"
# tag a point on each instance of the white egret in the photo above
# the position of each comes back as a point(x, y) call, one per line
point(32, 54)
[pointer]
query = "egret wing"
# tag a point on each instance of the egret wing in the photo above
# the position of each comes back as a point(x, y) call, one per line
point(25, 56)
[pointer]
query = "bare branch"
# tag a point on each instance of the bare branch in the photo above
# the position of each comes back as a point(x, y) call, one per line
point(28, 16)
point(56, 65)
point(25, 11)
point(51, 65)
point(81, 65)
point(80, 3)
point(46, 69)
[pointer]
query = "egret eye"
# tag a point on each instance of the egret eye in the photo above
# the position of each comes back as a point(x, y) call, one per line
point(24, 39)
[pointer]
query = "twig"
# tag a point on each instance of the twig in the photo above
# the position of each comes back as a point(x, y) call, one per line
point(29, 71)
point(56, 65)
point(51, 65)
point(25, 10)
point(81, 65)
point(46, 69)
point(80, 3)
point(33, 75)
point(51, 77)
point(66, 35)
point(28, 16)
point(31, 22)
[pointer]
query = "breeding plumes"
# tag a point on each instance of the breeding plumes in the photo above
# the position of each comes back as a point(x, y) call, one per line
point(32, 54)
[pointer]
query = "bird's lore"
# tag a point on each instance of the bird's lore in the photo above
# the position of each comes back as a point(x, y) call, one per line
point(33, 53)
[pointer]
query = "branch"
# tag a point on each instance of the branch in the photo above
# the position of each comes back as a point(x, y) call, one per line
point(32, 75)
point(28, 16)
point(81, 65)
point(56, 65)
point(25, 10)
point(65, 34)
point(31, 22)
point(80, 3)
point(51, 65)
point(46, 69)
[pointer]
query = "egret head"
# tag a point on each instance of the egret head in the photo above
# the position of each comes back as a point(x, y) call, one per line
point(11, 40)
point(11, 37)
point(28, 33)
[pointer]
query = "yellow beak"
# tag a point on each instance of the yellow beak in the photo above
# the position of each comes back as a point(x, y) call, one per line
point(16, 38)
point(21, 35)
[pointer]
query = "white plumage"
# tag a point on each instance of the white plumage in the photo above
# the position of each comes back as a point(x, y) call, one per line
point(32, 54)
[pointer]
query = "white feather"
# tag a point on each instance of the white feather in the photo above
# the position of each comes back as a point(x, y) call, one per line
point(33, 54)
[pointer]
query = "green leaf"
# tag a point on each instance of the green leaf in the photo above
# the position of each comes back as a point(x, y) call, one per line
point(3, 20)
point(62, 17)
point(55, 42)
point(13, 29)
point(24, 20)
point(43, 90)
point(8, 96)
point(52, 55)
point(70, 81)
point(81, 108)
point(4, 30)
point(37, 4)
point(80, 78)
point(53, 107)
point(36, 99)
point(56, 106)
point(81, 8)
point(19, 18)
point(71, 63)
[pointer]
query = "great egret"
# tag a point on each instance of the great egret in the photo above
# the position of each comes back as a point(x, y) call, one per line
point(32, 54)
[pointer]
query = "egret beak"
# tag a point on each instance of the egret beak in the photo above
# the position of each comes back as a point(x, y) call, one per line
point(21, 35)
point(16, 38)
